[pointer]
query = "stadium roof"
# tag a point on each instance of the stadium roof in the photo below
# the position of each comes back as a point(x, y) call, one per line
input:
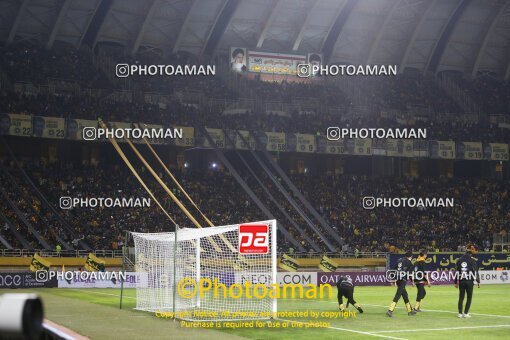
point(434, 35)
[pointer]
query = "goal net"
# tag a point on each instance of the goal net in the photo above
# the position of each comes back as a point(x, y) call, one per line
point(216, 273)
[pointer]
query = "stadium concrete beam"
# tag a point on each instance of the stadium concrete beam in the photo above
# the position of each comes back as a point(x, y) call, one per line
point(336, 29)
point(417, 30)
point(301, 32)
point(377, 39)
point(96, 23)
point(221, 22)
point(444, 37)
point(89, 21)
point(184, 25)
point(61, 15)
point(263, 34)
point(141, 32)
point(15, 25)
point(494, 21)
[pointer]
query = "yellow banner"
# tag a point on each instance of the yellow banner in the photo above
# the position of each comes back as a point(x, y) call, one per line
point(499, 152)
point(218, 137)
point(152, 140)
point(188, 136)
point(327, 265)
point(275, 141)
point(240, 145)
point(48, 127)
point(39, 263)
point(363, 147)
point(305, 143)
point(399, 148)
point(336, 147)
point(469, 150)
point(75, 129)
point(93, 263)
point(288, 263)
point(442, 149)
point(16, 125)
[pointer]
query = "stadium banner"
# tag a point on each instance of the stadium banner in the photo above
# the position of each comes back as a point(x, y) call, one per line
point(15, 125)
point(39, 263)
point(420, 148)
point(15, 280)
point(494, 277)
point(337, 147)
point(288, 263)
point(446, 261)
point(363, 147)
point(327, 265)
point(119, 125)
point(218, 137)
point(238, 59)
point(274, 63)
point(188, 136)
point(275, 141)
point(298, 278)
point(358, 278)
point(379, 147)
point(75, 127)
point(300, 142)
point(499, 152)
point(158, 141)
point(469, 150)
point(93, 263)
point(92, 282)
point(442, 149)
point(399, 148)
point(48, 127)
point(241, 145)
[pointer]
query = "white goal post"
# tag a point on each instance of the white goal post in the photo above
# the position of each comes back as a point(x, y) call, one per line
point(207, 273)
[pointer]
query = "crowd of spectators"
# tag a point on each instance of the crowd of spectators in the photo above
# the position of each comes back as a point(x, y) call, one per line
point(481, 207)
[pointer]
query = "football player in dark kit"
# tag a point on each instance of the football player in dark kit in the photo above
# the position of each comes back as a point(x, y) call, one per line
point(346, 289)
point(403, 269)
point(421, 279)
point(467, 272)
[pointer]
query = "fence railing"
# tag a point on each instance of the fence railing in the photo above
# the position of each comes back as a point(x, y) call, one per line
point(361, 254)
point(63, 253)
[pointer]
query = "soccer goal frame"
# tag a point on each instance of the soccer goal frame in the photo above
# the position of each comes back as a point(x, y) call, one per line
point(174, 269)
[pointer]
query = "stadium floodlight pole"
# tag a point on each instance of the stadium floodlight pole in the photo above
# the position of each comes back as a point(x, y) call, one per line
point(168, 191)
point(130, 166)
point(175, 180)
point(232, 248)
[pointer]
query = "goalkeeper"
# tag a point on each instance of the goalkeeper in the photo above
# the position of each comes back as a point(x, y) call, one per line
point(346, 289)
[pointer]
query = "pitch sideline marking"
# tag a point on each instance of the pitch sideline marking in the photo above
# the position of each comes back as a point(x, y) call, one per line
point(448, 311)
point(441, 329)
point(352, 331)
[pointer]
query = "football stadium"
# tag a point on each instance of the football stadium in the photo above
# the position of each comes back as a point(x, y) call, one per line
point(257, 169)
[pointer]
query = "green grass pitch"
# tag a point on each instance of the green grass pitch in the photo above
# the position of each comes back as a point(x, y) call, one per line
point(95, 313)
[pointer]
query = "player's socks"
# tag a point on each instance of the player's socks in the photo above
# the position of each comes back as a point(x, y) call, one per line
point(358, 307)
point(417, 306)
point(342, 307)
point(408, 307)
point(410, 311)
point(392, 306)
